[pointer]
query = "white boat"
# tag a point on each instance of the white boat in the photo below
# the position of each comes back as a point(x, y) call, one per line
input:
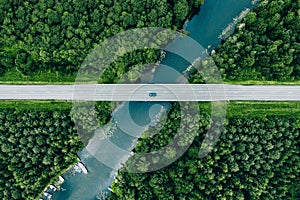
point(77, 168)
point(53, 188)
point(82, 167)
point(61, 179)
point(48, 195)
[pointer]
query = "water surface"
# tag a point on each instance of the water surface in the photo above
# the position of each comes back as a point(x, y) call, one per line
point(134, 117)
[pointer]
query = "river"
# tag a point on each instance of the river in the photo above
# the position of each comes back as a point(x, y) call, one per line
point(134, 117)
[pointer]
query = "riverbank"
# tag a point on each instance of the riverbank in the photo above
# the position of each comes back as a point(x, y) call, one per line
point(235, 109)
point(252, 148)
point(54, 179)
point(104, 179)
point(246, 56)
point(267, 110)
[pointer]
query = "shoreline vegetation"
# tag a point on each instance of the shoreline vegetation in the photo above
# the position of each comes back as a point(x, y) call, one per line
point(255, 157)
point(37, 142)
point(12, 76)
point(56, 60)
point(272, 122)
point(50, 40)
point(54, 179)
point(23, 56)
point(235, 109)
point(264, 45)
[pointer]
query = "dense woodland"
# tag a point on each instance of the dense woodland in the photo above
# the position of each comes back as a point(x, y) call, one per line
point(265, 46)
point(39, 141)
point(255, 158)
point(35, 146)
point(56, 36)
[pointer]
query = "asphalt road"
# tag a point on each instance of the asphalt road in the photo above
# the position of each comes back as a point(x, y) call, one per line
point(140, 92)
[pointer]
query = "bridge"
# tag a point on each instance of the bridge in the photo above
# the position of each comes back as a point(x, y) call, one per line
point(160, 92)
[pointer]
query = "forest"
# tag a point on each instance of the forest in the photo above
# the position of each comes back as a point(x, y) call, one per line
point(35, 146)
point(38, 141)
point(257, 155)
point(255, 158)
point(55, 36)
point(265, 45)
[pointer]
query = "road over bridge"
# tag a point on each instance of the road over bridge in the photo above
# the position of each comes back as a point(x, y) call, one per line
point(159, 92)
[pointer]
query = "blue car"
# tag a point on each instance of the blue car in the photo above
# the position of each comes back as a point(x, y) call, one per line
point(152, 94)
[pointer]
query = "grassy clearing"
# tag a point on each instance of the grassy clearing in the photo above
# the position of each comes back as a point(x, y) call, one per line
point(15, 77)
point(261, 109)
point(36, 105)
point(256, 108)
point(34, 83)
point(234, 108)
point(254, 82)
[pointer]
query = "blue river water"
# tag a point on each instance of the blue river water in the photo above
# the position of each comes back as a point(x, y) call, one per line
point(133, 118)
